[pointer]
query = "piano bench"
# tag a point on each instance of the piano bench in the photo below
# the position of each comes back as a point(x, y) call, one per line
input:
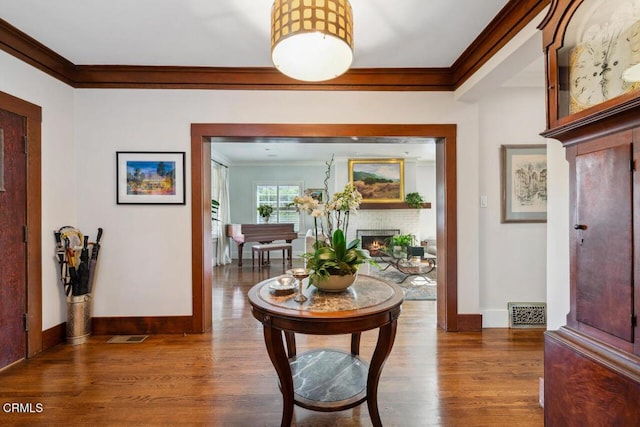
point(268, 247)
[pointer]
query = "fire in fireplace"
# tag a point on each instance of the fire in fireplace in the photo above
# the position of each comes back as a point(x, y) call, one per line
point(375, 241)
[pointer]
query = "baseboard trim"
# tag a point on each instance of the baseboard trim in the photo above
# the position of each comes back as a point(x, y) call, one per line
point(177, 325)
point(121, 326)
point(54, 336)
point(141, 325)
point(469, 322)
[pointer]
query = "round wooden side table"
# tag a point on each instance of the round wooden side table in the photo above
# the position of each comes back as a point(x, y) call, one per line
point(328, 379)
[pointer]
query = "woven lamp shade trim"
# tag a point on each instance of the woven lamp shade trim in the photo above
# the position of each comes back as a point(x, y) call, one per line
point(312, 40)
point(328, 16)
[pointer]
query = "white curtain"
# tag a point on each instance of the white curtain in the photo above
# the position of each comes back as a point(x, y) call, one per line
point(220, 192)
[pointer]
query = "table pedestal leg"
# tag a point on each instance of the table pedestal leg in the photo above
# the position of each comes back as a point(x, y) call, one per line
point(275, 348)
point(355, 343)
point(386, 337)
point(290, 338)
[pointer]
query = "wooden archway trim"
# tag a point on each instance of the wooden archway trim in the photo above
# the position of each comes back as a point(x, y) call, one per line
point(202, 264)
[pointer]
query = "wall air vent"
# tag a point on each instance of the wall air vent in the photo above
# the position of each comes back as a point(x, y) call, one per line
point(527, 315)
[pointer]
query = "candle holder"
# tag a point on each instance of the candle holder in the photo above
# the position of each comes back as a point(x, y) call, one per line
point(300, 274)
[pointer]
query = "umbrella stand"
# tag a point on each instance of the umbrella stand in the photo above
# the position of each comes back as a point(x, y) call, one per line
point(79, 315)
point(77, 276)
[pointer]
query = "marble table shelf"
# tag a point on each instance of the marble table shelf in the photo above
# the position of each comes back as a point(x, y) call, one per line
point(328, 378)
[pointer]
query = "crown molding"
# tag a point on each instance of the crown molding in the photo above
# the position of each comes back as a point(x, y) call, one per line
point(29, 50)
point(511, 19)
point(257, 78)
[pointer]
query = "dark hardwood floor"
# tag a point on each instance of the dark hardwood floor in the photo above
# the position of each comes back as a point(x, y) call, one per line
point(225, 378)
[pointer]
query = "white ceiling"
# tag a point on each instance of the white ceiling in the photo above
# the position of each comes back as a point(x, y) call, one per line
point(420, 149)
point(235, 33)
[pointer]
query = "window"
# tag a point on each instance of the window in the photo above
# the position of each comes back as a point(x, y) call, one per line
point(279, 196)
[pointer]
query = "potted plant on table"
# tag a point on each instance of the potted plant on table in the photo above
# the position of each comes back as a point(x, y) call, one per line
point(265, 212)
point(400, 243)
point(333, 262)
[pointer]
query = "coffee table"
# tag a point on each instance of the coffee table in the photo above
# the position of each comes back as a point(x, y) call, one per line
point(416, 266)
point(327, 379)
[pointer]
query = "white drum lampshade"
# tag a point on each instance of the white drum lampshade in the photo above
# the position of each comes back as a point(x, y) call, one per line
point(311, 40)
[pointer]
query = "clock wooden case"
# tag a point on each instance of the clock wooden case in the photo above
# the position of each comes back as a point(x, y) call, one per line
point(592, 364)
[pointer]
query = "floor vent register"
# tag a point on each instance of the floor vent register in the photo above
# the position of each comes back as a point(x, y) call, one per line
point(127, 339)
point(527, 314)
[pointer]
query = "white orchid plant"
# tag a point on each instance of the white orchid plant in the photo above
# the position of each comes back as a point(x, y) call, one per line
point(332, 255)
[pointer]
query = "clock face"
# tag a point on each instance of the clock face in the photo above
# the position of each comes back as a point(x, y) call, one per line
point(585, 78)
point(601, 42)
point(596, 66)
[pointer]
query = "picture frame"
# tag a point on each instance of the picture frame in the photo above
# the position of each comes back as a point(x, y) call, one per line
point(317, 194)
point(150, 177)
point(378, 180)
point(523, 170)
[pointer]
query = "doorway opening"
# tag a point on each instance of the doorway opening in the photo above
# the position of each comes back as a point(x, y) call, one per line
point(202, 135)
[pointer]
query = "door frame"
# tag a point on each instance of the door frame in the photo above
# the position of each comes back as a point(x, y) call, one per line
point(33, 116)
point(446, 194)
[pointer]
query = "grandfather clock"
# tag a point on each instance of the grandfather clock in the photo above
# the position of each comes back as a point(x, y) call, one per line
point(592, 364)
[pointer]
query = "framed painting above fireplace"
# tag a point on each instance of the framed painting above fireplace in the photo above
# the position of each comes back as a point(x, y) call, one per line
point(378, 180)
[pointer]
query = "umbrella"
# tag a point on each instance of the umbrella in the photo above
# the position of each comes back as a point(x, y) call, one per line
point(61, 254)
point(68, 241)
point(83, 268)
point(71, 261)
point(93, 261)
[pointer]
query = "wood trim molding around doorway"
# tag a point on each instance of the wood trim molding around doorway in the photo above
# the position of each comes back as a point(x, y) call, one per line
point(33, 115)
point(202, 263)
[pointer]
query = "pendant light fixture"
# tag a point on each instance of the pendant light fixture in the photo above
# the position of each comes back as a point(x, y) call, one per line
point(312, 40)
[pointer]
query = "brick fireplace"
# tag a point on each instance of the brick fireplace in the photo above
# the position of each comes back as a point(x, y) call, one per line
point(375, 241)
point(384, 223)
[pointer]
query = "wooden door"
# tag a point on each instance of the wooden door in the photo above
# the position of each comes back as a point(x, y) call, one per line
point(604, 285)
point(13, 256)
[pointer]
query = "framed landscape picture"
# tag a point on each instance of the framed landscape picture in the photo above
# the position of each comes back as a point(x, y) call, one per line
point(150, 177)
point(378, 180)
point(316, 194)
point(524, 183)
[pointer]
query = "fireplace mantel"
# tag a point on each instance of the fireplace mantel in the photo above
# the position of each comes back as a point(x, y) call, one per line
point(394, 205)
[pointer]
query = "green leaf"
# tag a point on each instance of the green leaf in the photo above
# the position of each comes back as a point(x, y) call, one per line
point(350, 256)
point(339, 244)
point(324, 254)
point(352, 244)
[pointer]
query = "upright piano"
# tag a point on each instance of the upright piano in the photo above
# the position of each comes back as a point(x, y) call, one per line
point(261, 233)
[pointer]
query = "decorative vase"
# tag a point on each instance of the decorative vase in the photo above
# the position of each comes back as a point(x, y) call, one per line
point(266, 219)
point(335, 283)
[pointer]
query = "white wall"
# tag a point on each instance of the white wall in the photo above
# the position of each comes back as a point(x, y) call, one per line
point(241, 178)
point(522, 124)
point(59, 175)
point(557, 236)
point(512, 255)
point(426, 186)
